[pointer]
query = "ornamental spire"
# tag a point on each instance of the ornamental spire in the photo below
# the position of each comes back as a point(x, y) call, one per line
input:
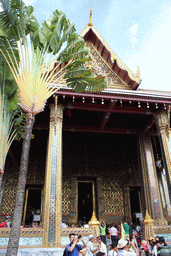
point(90, 24)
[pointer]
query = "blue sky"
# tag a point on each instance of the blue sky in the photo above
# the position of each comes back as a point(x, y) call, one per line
point(139, 31)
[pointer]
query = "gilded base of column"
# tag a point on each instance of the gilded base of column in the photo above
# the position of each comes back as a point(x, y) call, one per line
point(94, 223)
point(148, 227)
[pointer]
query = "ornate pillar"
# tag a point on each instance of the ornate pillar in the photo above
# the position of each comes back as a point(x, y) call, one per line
point(144, 176)
point(163, 126)
point(150, 181)
point(53, 181)
point(73, 199)
point(127, 204)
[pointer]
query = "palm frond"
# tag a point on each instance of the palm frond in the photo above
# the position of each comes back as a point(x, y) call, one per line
point(7, 133)
point(32, 80)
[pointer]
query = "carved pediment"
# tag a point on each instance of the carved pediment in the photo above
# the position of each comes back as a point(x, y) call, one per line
point(101, 68)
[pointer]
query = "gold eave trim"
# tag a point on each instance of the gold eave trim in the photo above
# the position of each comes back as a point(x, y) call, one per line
point(114, 56)
point(127, 85)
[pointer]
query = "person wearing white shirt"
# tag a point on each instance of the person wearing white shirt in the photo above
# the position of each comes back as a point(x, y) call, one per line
point(102, 247)
point(63, 225)
point(90, 249)
point(123, 249)
point(113, 233)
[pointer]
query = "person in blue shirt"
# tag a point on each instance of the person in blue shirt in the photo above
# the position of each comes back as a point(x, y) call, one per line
point(73, 248)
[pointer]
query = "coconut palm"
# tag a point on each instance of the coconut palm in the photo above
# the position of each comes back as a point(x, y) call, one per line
point(35, 80)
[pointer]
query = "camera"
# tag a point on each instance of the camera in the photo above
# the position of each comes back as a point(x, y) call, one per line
point(79, 236)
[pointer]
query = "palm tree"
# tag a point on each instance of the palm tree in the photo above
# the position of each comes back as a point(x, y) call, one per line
point(34, 83)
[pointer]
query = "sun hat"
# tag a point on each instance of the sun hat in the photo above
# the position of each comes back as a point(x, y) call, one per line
point(122, 243)
point(90, 237)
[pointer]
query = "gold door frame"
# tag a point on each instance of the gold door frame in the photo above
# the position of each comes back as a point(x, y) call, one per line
point(93, 194)
point(26, 200)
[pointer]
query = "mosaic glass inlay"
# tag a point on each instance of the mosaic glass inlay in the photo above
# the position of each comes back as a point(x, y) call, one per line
point(52, 207)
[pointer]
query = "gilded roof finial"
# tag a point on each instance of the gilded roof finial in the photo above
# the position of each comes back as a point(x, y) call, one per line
point(90, 20)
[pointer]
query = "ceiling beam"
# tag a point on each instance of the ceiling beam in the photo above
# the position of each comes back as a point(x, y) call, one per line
point(135, 98)
point(78, 128)
point(107, 115)
point(104, 108)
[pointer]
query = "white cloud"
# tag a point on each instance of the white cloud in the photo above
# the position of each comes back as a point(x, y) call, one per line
point(133, 30)
point(133, 39)
point(29, 2)
point(133, 33)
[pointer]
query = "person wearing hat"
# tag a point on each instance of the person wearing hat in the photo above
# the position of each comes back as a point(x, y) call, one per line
point(151, 244)
point(63, 224)
point(123, 249)
point(91, 250)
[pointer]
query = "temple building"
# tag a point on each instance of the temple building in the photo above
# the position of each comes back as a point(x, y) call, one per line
point(105, 153)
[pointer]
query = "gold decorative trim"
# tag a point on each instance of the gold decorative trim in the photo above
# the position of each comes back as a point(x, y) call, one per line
point(95, 68)
point(162, 229)
point(148, 220)
point(90, 24)
point(24, 232)
point(114, 56)
point(47, 181)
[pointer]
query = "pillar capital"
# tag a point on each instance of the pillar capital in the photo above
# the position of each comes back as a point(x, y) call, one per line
point(163, 121)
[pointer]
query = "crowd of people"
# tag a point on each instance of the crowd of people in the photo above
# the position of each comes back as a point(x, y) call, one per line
point(121, 240)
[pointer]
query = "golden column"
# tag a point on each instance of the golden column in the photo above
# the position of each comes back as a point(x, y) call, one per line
point(127, 203)
point(163, 125)
point(150, 180)
point(53, 181)
point(144, 173)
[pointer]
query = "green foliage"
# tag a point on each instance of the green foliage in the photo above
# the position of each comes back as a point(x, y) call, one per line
point(58, 35)
point(19, 123)
point(16, 21)
point(54, 32)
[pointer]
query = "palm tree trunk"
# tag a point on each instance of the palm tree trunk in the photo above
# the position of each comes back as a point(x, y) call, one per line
point(13, 243)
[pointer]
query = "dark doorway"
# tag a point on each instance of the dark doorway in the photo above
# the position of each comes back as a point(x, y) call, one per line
point(32, 206)
point(135, 203)
point(85, 202)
